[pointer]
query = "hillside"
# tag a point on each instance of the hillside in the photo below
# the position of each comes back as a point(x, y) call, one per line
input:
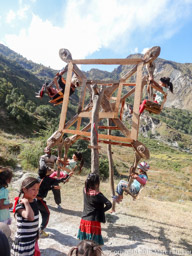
point(21, 112)
point(180, 74)
point(42, 72)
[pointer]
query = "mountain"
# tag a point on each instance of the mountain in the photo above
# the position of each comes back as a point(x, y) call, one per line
point(180, 74)
point(24, 77)
point(20, 111)
point(40, 71)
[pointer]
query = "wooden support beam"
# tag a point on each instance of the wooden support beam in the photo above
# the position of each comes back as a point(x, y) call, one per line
point(110, 142)
point(118, 99)
point(108, 61)
point(129, 74)
point(108, 82)
point(103, 82)
point(100, 136)
point(127, 94)
point(79, 123)
point(144, 81)
point(137, 101)
point(79, 73)
point(121, 127)
point(82, 96)
point(94, 147)
point(81, 101)
point(96, 97)
point(101, 114)
point(108, 127)
point(111, 165)
point(75, 118)
point(66, 97)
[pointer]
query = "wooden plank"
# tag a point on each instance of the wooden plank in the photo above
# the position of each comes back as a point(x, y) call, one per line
point(108, 61)
point(94, 147)
point(75, 118)
point(111, 165)
point(107, 115)
point(66, 97)
point(132, 91)
point(127, 94)
point(71, 122)
point(82, 96)
point(129, 74)
point(96, 98)
point(137, 101)
point(118, 99)
point(101, 114)
point(100, 136)
point(108, 82)
point(78, 72)
point(79, 123)
point(103, 82)
point(115, 143)
point(121, 127)
point(108, 127)
point(110, 142)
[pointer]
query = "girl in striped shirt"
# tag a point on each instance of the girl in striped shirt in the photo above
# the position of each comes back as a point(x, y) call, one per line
point(27, 215)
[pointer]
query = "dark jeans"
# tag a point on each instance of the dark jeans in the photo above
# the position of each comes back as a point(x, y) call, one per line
point(42, 206)
point(57, 195)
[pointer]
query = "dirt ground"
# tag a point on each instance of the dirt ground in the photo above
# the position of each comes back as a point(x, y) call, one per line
point(142, 227)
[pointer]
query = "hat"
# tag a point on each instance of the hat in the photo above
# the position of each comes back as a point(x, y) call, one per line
point(143, 166)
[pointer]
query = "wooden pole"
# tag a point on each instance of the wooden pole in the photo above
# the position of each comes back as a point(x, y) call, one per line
point(96, 97)
point(111, 166)
point(66, 97)
point(137, 101)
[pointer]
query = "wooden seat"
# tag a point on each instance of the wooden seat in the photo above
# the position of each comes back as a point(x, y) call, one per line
point(153, 107)
point(134, 196)
point(58, 96)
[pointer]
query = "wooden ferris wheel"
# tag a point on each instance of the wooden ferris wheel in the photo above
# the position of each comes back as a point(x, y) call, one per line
point(107, 100)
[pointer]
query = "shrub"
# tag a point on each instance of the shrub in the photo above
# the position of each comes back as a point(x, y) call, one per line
point(30, 155)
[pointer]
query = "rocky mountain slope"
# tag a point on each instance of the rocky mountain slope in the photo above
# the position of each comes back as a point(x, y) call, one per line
point(180, 74)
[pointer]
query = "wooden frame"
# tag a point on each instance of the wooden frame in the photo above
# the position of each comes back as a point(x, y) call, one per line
point(110, 107)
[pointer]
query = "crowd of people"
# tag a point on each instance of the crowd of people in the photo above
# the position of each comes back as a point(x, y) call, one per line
point(31, 202)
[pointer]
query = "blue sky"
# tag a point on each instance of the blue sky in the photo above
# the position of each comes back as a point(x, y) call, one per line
point(37, 29)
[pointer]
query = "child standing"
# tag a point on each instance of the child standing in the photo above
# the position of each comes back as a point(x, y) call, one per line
point(49, 160)
point(5, 178)
point(95, 206)
point(27, 215)
point(47, 183)
point(139, 181)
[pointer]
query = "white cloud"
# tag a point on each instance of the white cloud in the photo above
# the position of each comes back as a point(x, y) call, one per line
point(89, 25)
point(145, 50)
point(10, 16)
point(22, 12)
